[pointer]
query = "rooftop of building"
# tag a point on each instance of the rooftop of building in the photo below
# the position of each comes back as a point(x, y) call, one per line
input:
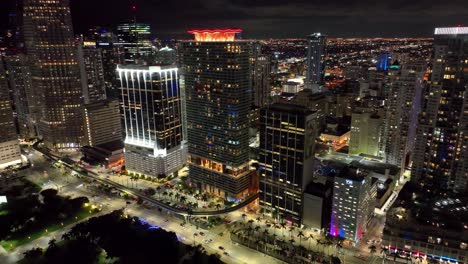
point(291, 108)
point(318, 189)
point(361, 162)
point(416, 210)
point(151, 68)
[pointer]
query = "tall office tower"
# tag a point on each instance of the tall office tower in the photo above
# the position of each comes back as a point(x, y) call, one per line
point(136, 40)
point(402, 108)
point(48, 35)
point(353, 203)
point(441, 149)
point(151, 105)
point(112, 55)
point(102, 122)
point(216, 72)
point(316, 53)
point(383, 61)
point(366, 134)
point(287, 134)
point(24, 97)
point(261, 80)
point(92, 72)
point(9, 145)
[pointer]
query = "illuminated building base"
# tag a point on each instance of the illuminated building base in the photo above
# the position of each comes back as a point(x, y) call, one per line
point(9, 153)
point(142, 160)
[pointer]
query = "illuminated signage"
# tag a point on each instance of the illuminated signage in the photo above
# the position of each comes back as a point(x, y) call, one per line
point(214, 34)
point(89, 44)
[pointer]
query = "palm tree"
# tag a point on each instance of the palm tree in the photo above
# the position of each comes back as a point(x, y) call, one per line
point(158, 189)
point(243, 216)
point(177, 196)
point(265, 234)
point(257, 228)
point(292, 241)
point(258, 219)
point(250, 221)
point(283, 227)
point(52, 244)
point(300, 234)
point(310, 238)
point(249, 230)
point(291, 229)
point(183, 199)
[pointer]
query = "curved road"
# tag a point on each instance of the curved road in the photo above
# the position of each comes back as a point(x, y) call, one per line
point(122, 188)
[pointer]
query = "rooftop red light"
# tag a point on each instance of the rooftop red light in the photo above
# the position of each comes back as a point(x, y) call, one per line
point(227, 34)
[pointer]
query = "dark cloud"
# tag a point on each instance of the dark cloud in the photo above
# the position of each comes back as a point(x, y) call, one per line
point(278, 18)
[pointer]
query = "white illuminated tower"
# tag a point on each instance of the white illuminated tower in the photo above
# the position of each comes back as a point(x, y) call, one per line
point(151, 106)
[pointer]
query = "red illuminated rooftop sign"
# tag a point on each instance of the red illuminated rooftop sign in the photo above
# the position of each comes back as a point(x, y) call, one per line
point(227, 34)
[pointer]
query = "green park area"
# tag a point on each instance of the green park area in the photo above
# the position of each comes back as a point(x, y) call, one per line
point(26, 217)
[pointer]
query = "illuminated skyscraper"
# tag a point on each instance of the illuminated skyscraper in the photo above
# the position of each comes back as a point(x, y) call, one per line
point(9, 145)
point(151, 105)
point(366, 133)
point(441, 149)
point(24, 96)
point(316, 53)
point(261, 80)
point(48, 35)
point(402, 107)
point(287, 134)
point(217, 74)
point(353, 203)
point(136, 40)
point(92, 72)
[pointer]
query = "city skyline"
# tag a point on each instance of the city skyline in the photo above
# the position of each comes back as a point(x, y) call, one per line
point(227, 148)
point(271, 19)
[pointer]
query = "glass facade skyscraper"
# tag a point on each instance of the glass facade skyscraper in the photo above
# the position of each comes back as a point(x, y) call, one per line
point(216, 72)
point(48, 35)
point(9, 145)
point(315, 57)
point(441, 149)
point(136, 40)
point(286, 149)
point(151, 106)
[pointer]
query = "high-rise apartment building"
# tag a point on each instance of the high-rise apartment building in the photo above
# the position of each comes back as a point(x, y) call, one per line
point(136, 40)
point(403, 103)
point(287, 134)
point(9, 145)
point(24, 96)
point(353, 203)
point(151, 105)
point(441, 150)
point(261, 82)
point(366, 137)
point(216, 71)
point(48, 35)
point(92, 72)
point(316, 53)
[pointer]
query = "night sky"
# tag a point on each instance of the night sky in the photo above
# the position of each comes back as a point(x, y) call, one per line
point(275, 18)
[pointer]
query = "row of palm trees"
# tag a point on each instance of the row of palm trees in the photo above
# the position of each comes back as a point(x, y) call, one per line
point(262, 239)
point(327, 243)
